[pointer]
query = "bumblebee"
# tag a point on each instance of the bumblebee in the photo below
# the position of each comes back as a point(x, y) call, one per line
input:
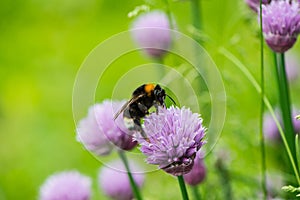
point(143, 98)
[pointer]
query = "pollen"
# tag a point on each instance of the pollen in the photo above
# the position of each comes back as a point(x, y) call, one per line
point(149, 88)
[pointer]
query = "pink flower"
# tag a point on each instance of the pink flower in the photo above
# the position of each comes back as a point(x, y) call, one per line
point(114, 181)
point(254, 4)
point(281, 24)
point(98, 132)
point(198, 172)
point(174, 137)
point(69, 185)
point(151, 32)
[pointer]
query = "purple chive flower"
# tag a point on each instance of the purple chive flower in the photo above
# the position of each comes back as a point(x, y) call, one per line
point(69, 185)
point(98, 130)
point(151, 32)
point(274, 181)
point(270, 129)
point(296, 122)
point(281, 24)
point(115, 130)
point(174, 137)
point(198, 172)
point(254, 4)
point(91, 135)
point(114, 181)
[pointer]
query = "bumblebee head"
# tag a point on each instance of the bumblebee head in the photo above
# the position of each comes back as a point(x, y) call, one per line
point(159, 95)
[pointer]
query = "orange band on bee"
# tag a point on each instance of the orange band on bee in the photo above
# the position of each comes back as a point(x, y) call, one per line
point(149, 88)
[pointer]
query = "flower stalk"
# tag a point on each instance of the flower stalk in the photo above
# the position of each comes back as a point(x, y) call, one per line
point(262, 106)
point(224, 179)
point(196, 16)
point(133, 185)
point(168, 11)
point(182, 188)
point(196, 193)
point(297, 151)
point(285, 105)
point(255, 84)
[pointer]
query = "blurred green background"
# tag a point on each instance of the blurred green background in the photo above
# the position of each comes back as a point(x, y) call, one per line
point(42, 45)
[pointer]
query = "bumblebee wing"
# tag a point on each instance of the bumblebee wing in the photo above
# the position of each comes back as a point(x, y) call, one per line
point(133, 99)
point(121, 110)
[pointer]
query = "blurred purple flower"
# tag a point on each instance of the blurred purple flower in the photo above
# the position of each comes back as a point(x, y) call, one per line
point(91, 135)
point(98, 129)
point(115, 130)
point(69, 185)
point(198, 172)
point(274, 181)
point(151, 32)
point(174, 137)
point(254, 4)
point(270, 129)
point(296, 122)
point(281, 24)
point(292, 67)
point(114, 181)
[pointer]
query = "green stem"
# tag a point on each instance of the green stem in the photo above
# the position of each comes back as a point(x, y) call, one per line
point(197, 25)
point(262, 139)
point(224, 179)
point(161, 70)
point(297, 151)
point(133, 185)
point(268, 104)
point(168, 11)
point(196, 16)
point(254, 83)
point(196, 193)
point(182, 188)
point(284, 99)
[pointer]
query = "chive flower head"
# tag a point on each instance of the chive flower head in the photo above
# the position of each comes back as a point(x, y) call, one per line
point(281, 24)
point(175, 135)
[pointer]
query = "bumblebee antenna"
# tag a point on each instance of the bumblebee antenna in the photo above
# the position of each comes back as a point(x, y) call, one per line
point(171, 99)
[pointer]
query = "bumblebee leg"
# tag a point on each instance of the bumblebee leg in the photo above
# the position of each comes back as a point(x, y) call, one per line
point(143, 108)
point(138, 127)
point(156, 105)
point(133, 123)
point(128, 120)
